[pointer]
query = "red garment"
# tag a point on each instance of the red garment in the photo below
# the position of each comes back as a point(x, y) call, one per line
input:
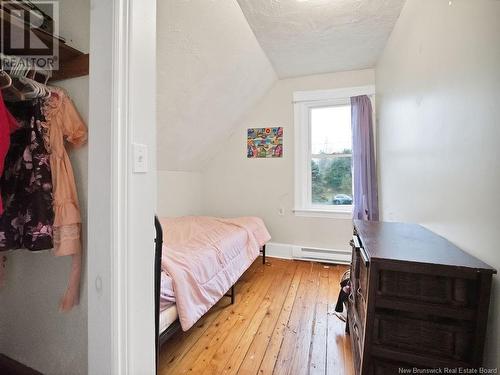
point(8, 124)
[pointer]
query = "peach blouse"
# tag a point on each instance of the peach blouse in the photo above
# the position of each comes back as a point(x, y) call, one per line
point(65, 124)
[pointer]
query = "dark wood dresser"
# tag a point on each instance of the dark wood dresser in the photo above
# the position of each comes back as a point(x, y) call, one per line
point(416, 300)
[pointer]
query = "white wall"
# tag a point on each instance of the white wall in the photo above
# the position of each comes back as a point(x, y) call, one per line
point(122, 199)
point(211, 70)
point(32, 330)
point(234, 185)
point(137, 235)
point(439, 114)
point(179, 193)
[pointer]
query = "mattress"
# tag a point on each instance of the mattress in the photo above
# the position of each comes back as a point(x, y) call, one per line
point(167, 296)
point(167, 317)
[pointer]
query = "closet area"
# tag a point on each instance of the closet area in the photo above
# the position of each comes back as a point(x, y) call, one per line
point(43, 165)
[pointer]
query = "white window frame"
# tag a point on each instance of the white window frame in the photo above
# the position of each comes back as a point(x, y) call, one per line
point(304, 102)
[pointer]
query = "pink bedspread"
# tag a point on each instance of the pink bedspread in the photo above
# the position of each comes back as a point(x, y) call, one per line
point(205, 256)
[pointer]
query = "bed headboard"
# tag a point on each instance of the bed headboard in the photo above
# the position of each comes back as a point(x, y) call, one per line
point(157, 273)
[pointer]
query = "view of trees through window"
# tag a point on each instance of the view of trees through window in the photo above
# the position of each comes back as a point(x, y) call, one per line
point(331, 155)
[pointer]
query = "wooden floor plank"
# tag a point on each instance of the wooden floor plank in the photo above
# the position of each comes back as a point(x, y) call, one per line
point(336, 336)
point(210, 343)
point(317, 363)
point(282, 322)
point(273, 348)
point(304, 336)
point(293, 346)
point(255, 340)
point(245, 324)
point(181, 343)
point(224, 320)
point(241, 338)
point(347, 359)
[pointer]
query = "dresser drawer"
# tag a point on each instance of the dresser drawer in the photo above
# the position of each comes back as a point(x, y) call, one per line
point(383, 367)
point(416, 300)
point(424, 337)
point(436, 289)
point(380, 366)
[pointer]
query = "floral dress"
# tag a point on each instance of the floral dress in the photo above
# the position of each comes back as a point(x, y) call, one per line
point(26, 184)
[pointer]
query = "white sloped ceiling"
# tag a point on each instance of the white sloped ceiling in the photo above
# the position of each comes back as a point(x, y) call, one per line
point(303, 37)
point(211, 70)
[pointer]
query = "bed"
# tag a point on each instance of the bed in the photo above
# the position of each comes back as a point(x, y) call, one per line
point(201, 258)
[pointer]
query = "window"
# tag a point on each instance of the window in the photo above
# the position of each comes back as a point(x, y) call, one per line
point(331, 156)
point(323, 152)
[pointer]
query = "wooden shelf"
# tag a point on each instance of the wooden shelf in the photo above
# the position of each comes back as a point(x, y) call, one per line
point(72, 62)
point(76, 67)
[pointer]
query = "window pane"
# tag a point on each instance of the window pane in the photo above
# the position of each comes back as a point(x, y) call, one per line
point(331, 130)
point(331, 181)
point(331, 148)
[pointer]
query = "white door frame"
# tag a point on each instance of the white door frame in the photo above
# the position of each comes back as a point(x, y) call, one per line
point(121, 203)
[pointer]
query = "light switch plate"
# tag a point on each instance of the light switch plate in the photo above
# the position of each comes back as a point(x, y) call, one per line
point(140, 158)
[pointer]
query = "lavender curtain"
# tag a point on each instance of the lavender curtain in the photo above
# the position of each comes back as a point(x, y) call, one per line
point(363, 154)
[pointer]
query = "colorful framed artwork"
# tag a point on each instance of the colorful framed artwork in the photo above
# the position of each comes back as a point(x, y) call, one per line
point(265, 142)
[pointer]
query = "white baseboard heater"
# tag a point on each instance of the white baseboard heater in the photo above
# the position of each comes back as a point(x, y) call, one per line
point(308, 253)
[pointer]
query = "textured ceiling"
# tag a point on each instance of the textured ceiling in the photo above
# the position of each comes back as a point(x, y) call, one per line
point(303, 37)
point(211, 70)
point(215, 60)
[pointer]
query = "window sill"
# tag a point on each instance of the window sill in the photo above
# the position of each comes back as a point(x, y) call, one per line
point(345, 214)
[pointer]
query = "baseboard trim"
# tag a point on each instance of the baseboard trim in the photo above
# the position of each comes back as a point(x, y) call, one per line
point(307, 253)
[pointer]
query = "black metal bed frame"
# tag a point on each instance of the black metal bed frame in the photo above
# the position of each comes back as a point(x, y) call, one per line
point(161, 338)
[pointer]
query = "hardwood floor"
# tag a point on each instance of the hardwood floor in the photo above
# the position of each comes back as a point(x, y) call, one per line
point(281, 323)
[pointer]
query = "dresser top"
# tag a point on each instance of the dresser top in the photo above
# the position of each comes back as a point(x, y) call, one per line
point(413, 243)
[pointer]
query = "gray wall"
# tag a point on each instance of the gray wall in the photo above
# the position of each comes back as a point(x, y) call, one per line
point(32, 330)
point(438, 127)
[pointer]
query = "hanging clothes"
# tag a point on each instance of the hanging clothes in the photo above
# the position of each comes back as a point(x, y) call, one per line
point(8, 124)
point(65, 124)
point(27, 183)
